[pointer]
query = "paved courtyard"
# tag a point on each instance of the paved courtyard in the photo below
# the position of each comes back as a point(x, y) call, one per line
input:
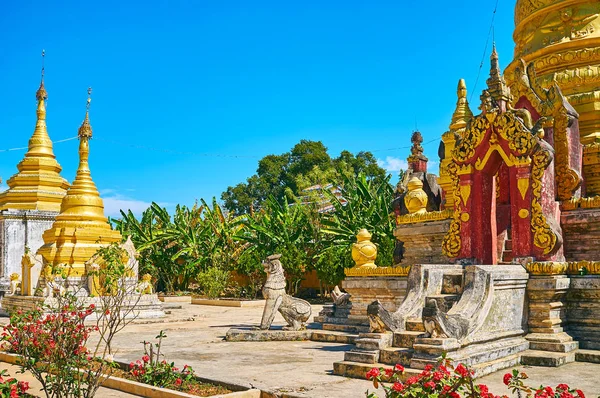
point(301, 369)
point(297, 368)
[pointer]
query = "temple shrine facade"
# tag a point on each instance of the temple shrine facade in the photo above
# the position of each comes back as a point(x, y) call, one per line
point(498, 261)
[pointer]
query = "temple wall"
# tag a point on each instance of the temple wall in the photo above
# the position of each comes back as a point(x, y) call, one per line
point(20, 228)
point(581, 232)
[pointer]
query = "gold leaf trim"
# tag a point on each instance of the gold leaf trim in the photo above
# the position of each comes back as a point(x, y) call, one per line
point(379, 271)
point(591, 267)
point(547, 268)
point(424, 217)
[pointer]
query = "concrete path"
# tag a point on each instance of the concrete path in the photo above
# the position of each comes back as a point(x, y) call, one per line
point(300, 369)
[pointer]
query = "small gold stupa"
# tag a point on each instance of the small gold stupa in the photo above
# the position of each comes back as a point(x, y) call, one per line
point(81, 228)
point(38, 184)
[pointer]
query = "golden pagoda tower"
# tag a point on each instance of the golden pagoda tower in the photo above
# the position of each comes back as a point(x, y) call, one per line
point(81, 228)
point(34, 194)
point(562, 40)
point(38, 184)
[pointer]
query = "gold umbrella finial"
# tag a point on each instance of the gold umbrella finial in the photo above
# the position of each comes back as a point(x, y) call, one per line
point(41, 93)
point(85, 130)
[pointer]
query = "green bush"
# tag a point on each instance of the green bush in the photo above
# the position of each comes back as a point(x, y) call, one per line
point(213, 281)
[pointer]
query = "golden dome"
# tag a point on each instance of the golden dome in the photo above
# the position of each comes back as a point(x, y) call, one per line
point(81, 228)
point(363, 235)
point(38, 184)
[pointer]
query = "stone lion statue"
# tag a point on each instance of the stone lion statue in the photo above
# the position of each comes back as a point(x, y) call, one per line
point(295, 311)
point(15, 283)
point(145, 285)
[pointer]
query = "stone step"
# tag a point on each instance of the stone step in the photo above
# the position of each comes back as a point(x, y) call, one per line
point(395, 355)
point(406, 339)
point(445, 301)
point(373, 341)
point(415, 325)
point(359, 370)
point(362, 356)
point(592, 356)
point(327, 336)
point(547, 359)
point(346, 328)
point(341, 320)
point(496, 365)
point(567, 346)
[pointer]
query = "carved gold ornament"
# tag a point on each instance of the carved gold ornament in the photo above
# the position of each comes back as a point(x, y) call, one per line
point(451, 245)
point(543, 236)
point(424, 217)
point(523, 213)
point(379, 271)
point(547, 268)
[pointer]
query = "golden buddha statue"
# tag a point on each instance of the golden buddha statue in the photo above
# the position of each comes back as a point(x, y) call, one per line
point(364, 252)
point(416, 198)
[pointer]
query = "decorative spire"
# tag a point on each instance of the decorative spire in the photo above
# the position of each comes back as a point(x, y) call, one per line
point(417, 161)
point(85, 130)
point(462, 114)
point(496, 83)
point(38, 184)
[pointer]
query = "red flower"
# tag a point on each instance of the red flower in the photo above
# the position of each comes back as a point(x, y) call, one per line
point(389, 373)
point(373, 373)
point(580, 393)
point(483, 388)
point(429, 384)
point(178, 382)
point(562, 387)
point(398, 387)
point(145, 358)
point(462, 370)
point(411, 380)
point(428, 367)
point(23, 386)
point(507, 378)
point(399, 368)
point(437, 376)
point(549, 390)
point(454, 394)
point(131, 365)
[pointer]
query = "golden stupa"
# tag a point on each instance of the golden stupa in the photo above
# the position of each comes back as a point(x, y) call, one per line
point(38, 184)
point(562, 40)
point(81, 228)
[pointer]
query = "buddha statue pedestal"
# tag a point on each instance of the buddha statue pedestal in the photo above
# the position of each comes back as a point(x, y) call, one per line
point(422, 240)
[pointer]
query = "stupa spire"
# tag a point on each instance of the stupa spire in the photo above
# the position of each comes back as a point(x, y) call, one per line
point(462, 114)
point(38, 184)
point(496, 84)
point(81, 228)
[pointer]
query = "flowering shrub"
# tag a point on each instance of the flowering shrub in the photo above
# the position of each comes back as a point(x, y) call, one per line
point(446, 381)
point(514, 381)
point(160, 373)
point(441, 381)
point(52, 346)
point(12, 388)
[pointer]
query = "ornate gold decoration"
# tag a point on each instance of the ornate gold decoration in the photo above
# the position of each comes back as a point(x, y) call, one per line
point(38, 184)
point(552, 105)
point(452, 243)
point(416, 199)
point(584, 267)
point(81, 228)
point(523, 185)
point(591, 168)
point(464, 217)
point(543, 236)
point(547, 268)
point(584, 203)
point(465, 193)
point(496, 85)
point(523, 213)
point(364, 252)
point(416, 151)
point(424, 217)
point(465, 148)
point(379, 271)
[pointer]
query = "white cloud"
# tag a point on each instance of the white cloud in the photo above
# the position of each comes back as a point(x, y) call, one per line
point(392, 164)
point(116, 202)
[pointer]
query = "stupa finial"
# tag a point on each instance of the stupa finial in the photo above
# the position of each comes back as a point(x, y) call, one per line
point(85, 130)
point(41, 94)
point(462, 113)
point(496, 84)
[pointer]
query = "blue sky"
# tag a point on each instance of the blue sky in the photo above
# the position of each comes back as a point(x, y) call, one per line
point(189, 95)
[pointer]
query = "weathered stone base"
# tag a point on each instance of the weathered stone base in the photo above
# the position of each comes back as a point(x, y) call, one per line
point(278, 334)
point(144, 307)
